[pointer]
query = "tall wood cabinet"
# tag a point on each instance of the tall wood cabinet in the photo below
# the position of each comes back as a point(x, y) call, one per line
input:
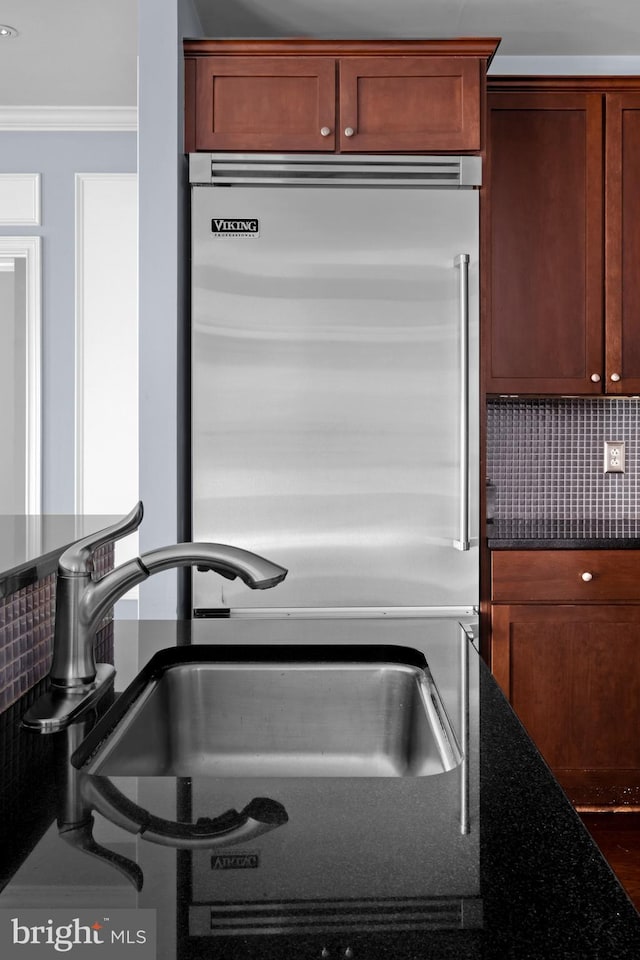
point(561, 316)
point(563, 237)
point(345, 96)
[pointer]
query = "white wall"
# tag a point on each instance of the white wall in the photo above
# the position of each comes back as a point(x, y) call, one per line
point(106, 268)
point(570, 66)
point(106, 342)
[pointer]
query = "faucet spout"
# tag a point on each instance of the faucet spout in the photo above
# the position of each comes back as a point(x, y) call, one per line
point(257, 572)
point(81, 603)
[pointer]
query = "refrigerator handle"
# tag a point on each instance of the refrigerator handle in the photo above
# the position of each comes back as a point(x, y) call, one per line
point(462, 262)
point(465, 640)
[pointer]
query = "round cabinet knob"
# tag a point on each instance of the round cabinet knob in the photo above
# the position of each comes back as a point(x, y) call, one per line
point(595, 377)
point(325, 131)
point(349, 131)
point(586, 576)
point(615, 377)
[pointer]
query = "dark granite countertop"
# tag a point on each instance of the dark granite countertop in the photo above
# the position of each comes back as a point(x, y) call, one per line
point(530, 882)
point(563, 534)
point(31, 544)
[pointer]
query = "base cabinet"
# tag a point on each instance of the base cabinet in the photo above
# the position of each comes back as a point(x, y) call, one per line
point(572, 675)
point(571, 672)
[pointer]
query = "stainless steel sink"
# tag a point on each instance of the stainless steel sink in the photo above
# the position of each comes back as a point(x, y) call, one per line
point(276, 712)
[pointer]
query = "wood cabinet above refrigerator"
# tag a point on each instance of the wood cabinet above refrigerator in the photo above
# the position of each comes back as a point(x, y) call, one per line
point(562, 232)
point(346, 96)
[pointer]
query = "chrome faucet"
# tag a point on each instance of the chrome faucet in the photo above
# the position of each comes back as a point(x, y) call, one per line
point(77, 682)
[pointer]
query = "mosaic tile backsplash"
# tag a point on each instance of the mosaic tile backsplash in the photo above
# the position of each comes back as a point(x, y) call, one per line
point(26, 633)
point(545, 458)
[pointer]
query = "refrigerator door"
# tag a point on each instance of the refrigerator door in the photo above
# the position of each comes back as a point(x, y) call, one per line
point(328, 386)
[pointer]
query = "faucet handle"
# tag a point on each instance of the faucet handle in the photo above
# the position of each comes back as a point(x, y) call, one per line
point(76, 559)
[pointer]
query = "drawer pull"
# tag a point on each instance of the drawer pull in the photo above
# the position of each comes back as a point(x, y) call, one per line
point(349, 131)
point(586, 576)
point(325, 131)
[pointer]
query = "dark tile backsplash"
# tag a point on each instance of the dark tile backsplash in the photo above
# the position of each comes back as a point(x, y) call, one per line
point(545, 458)
point(26, 633)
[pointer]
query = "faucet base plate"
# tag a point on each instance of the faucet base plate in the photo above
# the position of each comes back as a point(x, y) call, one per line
point(57, 708)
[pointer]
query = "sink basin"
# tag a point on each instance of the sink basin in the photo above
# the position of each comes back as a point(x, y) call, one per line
point(276, 712)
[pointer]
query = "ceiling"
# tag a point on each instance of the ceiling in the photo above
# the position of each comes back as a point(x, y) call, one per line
point(69, 52)
point(83, 52)
point(528, 27)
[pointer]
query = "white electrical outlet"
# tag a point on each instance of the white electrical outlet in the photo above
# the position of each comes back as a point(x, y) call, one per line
point(614, 456)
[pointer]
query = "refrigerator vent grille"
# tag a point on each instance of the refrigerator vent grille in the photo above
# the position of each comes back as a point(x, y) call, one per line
point(324, 916)
point(392, 171)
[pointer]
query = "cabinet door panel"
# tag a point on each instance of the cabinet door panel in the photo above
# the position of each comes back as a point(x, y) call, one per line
point(409, 103)
point(545, 212)
point(572, 675)
point(265, 103)
point(623, 242)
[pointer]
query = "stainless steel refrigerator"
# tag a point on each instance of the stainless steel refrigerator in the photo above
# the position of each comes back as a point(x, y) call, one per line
point(335, 380)
point(335, 431)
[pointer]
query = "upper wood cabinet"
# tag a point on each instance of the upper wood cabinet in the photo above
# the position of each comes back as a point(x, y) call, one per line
point(562, 230)
point(398, 104)
point(265, 103)
point(344, 96)
point(622, 242)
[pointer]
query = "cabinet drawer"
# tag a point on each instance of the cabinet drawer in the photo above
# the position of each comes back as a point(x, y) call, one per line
point(525, 576)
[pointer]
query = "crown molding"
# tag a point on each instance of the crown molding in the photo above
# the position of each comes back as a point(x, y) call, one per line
point(47, 118)
point(481, 47)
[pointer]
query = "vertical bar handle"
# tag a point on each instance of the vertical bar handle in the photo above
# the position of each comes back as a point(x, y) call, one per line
point(465, 825)
point(462, 262)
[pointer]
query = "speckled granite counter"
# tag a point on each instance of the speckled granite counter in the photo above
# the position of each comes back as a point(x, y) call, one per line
point(543, 887)
point(563, 535)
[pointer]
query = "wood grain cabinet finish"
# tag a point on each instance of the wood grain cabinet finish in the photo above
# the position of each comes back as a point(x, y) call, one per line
point(546, 228)
point(563, 235)
point(265, 103)
point(571, 668)
point(571, 576)
point(335, 96)
point(409, 104)
point(622, 244)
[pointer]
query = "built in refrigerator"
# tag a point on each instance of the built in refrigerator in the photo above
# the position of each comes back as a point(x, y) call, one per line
point(335, 380)
point(335, 431)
